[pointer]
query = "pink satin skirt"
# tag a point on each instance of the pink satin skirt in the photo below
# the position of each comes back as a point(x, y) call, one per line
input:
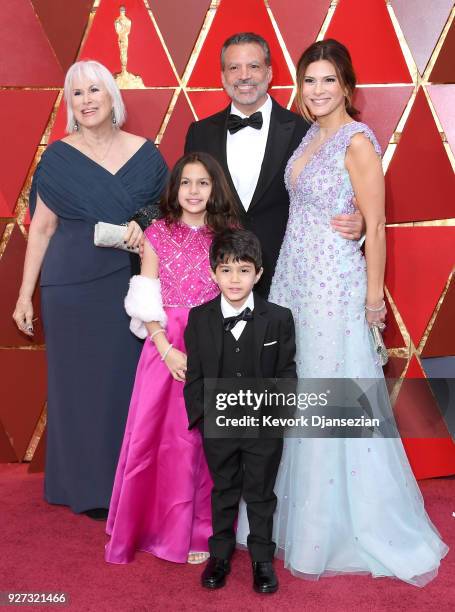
point(161, 496)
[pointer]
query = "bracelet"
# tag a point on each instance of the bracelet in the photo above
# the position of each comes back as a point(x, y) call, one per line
point(157, 331)
point(164, 355)
point(374, 309)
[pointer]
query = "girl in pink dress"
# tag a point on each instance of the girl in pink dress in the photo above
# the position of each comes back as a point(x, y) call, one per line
point(161, 496)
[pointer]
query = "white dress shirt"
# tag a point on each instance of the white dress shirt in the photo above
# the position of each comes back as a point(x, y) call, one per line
point(229, 311)
point(245, 152)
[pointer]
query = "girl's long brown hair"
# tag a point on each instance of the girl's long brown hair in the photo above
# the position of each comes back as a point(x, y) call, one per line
point(221, 211)
point(338, 55)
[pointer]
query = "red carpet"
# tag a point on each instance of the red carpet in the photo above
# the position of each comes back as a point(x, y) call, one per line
point(47, 548)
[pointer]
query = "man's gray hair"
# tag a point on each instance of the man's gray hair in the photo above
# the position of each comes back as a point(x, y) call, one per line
point(244, 38)
point(100, 75)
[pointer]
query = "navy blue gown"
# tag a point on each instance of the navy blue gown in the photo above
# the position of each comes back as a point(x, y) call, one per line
point(92, 355)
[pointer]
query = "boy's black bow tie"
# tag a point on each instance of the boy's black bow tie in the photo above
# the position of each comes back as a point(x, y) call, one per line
point(236, 123)
point(230, 322)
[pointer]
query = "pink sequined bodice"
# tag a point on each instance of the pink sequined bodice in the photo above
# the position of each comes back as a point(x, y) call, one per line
point(184, 268)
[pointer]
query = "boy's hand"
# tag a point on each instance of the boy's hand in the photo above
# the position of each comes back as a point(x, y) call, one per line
point(176, 363)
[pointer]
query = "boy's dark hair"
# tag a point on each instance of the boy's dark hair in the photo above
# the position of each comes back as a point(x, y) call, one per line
point(221, 212)
point(235, 245)
point(242, 38)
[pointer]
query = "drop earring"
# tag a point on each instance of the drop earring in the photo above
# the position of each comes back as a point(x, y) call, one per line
point(114, 118)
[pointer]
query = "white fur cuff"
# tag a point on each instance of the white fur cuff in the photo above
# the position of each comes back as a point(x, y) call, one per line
point(144, 304)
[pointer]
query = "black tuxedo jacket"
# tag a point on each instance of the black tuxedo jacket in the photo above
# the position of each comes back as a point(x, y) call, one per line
point(267, 214)
point(273, 351)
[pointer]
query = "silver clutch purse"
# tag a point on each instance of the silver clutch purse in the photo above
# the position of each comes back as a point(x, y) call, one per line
point(112, 236)
point(379, 346)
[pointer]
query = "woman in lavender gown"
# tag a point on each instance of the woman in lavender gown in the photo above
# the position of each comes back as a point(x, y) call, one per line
point(347, 505)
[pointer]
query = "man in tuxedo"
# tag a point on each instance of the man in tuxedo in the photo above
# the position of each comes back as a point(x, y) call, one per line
point(252, 139)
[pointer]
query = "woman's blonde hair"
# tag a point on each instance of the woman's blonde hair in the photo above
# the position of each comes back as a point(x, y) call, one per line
point(96, 72)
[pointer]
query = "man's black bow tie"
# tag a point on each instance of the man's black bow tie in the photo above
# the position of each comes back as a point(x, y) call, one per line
point(236, 123)
point(230, 322)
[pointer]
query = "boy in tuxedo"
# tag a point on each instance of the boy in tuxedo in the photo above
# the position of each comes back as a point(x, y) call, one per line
point(238, 335)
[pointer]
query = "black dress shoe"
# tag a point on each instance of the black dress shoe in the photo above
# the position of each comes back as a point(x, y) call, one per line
point(97, 514)
point(264, 577)
point(214, 575)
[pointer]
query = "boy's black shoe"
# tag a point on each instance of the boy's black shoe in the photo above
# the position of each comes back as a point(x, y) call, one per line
point(264, 577)
point(214, 575)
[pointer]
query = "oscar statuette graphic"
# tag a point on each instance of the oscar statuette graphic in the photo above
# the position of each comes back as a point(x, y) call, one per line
point(125, 79)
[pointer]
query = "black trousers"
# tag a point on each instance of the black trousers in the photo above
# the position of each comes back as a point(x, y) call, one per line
point(245, 467)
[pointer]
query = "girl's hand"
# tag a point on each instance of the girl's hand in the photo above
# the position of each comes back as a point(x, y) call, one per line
point(133, 235)
point(376, 317)
point(23, 316)
point(176, 363)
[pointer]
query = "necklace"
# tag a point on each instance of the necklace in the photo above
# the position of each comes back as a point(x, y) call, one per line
point(101, 159)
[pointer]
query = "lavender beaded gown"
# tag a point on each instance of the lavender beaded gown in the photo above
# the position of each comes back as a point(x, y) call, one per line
point(344, 505)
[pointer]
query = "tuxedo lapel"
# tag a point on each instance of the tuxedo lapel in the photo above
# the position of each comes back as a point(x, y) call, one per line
point(216, 327)
point(220, 151)
point(219, 144)
point(260, 323)
point(277, 147)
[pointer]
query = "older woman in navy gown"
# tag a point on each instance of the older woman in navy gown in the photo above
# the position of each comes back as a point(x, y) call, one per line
point(97, 173)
